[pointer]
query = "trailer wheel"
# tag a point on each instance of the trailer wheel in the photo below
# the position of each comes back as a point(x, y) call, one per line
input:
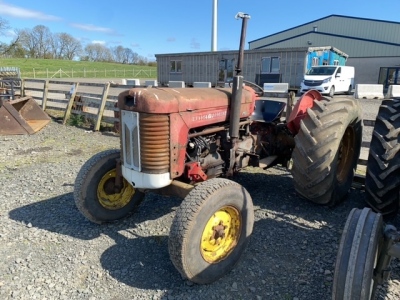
point(382, 181)
point(210, 230)
point(332, 91)
point(326, 151)
point(357, 257)
point(94, 191)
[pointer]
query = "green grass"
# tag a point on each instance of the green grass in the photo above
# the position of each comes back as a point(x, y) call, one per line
point(50, 68)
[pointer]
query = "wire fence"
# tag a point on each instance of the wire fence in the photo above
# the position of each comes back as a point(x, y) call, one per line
point(90, 73)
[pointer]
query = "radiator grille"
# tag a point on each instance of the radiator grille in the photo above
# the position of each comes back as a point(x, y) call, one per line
point(155, 143)
point(312, 82)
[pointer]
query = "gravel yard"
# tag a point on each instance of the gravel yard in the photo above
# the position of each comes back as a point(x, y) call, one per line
point(48, 250)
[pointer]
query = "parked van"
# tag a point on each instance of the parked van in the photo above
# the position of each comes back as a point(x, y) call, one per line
point(329, 80)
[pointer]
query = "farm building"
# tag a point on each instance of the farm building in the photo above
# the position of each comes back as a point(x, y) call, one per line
point(259, 65)
point(370, 44)
point(372, 47)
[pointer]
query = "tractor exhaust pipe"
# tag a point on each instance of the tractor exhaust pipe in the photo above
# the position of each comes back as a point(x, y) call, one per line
point(237, 84)
point(237, 88)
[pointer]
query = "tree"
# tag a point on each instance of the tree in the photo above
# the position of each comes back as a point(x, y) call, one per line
point(98, 52)
point(4, 25)
point(37, 42)
point(65, 46)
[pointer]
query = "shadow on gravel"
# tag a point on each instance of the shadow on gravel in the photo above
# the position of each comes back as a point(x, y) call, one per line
point(60, 215)
point(292, 239)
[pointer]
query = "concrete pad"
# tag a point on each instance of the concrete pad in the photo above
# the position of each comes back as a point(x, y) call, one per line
point(276, 87)
point(369, 91)
point(151, 83)
point(176, 84)
point(202, 84)
point(135, 82)
point(393, 91)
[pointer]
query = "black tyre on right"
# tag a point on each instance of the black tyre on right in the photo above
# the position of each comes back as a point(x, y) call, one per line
point(357, 257)
point(382, 181)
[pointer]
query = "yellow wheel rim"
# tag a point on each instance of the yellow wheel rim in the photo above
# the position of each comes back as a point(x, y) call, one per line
point(221, 234)
point(107, 195)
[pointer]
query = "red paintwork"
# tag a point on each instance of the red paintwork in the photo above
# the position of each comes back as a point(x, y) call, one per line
point(194, 172)
point(187, 108)
point(299, 111)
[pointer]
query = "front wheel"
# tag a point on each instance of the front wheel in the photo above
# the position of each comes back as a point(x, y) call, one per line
point(326, 151)
point(332, 91)
point(357, 256)
point(95, 192)
point(210, 230)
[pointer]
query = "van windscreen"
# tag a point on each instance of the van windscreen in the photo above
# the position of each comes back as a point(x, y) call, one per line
point(321, 71)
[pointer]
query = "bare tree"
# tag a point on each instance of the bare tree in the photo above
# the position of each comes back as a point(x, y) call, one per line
point(4, 25)
point(98, 52)
point(118, 54)
point(65, 46)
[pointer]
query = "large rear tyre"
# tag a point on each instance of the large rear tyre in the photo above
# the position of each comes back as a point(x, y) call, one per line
point(382, 181)
point(210, 230)
point(357, 256)
point(327, 150)
point(95, 194)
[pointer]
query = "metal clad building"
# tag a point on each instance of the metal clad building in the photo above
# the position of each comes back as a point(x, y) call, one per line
point(370, 43)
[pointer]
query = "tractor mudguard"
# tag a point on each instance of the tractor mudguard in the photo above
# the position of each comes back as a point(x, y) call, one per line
point(299, 111)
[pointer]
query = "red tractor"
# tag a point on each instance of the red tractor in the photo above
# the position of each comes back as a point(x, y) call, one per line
point(190, 142)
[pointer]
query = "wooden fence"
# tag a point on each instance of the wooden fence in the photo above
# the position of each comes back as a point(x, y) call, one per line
point(96, 101)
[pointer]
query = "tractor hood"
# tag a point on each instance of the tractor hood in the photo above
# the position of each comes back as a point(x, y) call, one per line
point(173, 100)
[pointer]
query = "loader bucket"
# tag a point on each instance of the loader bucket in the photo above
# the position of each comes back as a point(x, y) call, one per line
point(21, 116)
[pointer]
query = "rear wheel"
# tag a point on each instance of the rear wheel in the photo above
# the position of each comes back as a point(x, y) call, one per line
point(382, 181)
point(357, 256)
point(210, 230)
point(95, 192)
point(327, 149)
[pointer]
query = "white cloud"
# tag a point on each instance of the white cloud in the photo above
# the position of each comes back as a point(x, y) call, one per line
point(19, 12)
point(98, 42)
point(90, 27)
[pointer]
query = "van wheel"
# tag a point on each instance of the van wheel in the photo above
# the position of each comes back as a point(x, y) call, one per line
point(349, 91)
point(332, 91)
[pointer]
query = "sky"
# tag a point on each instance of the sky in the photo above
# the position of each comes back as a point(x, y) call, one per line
point(179, 26)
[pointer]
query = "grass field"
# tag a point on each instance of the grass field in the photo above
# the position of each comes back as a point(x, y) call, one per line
point(55, 68)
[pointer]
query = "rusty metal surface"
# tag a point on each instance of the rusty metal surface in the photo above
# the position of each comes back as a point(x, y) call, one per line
point(154, 143)
point(21, 116)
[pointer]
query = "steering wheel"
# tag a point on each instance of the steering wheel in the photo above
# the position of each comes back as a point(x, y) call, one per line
point(256, 86)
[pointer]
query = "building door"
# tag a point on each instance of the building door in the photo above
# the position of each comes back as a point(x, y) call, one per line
point(389, 76)
point(225, 70)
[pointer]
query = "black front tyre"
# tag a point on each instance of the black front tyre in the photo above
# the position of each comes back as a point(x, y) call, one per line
point(382, 181)
point(332, 91)
point(210, 230)
point(327, 149)
point(357, 257)
point(95, 194)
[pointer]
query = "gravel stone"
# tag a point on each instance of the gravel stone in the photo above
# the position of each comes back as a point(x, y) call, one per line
point(48, 250)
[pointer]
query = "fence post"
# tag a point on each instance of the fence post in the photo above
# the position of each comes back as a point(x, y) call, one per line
point(70, 103)
point(22, 91)
point(45, 93)
point(102, 106)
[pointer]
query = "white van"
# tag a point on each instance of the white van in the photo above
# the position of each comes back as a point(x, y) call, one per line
point(329, 80)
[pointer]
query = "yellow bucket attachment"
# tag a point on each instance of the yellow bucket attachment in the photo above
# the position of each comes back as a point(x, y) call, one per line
point(21, 116)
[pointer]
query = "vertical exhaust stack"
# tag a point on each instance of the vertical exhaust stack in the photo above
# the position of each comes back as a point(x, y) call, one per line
point(237, 88)
point(237, 84)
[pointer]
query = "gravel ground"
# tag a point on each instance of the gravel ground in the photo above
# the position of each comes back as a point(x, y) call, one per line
point(48, 250)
